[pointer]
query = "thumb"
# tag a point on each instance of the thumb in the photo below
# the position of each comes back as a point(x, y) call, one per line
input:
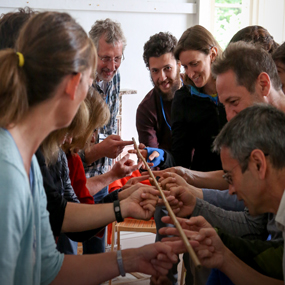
point(153, 155)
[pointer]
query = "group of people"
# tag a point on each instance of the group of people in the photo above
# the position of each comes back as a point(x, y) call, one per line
point(59, 101)
point(215, 88)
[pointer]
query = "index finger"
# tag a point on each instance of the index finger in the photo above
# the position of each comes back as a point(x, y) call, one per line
point(124, 143)
point(135, 180)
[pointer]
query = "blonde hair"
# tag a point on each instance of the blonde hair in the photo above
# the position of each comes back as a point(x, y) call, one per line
point(50, 146)
point(53, 45)
point(99, 115)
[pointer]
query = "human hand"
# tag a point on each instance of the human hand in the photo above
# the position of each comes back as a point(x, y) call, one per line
point(124, 167)
point(172, 179)
point(140, 203)
point(153, 259)
point(208, 246)
point(112, 146)
point(181, 201)
point(133, 181)
point(148, 155)
point(185, 173)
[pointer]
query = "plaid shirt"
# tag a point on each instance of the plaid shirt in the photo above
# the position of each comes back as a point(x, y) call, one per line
point(112, 99)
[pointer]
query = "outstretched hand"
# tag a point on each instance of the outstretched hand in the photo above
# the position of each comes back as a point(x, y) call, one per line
point(141, 203)
point(203, 237)
point(124, 167)
point(169, 180)
point(154, 259)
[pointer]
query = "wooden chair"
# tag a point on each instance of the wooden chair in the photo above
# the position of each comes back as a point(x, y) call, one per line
point(131, 225)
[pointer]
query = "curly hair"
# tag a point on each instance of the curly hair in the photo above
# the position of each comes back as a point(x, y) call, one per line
point(158, 45)
point(256, 35)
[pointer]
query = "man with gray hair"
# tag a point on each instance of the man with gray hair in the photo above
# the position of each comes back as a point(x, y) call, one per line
point(244, 75)
point(110, 43)
point(252, 150)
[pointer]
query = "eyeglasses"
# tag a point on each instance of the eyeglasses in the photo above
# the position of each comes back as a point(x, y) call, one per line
point(228, 176)
point(116, 59)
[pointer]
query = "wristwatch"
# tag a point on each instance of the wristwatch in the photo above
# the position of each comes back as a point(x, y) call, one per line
point(117, 210)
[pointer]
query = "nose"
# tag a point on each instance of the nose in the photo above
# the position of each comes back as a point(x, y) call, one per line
point(111, 65)
point(231, 189)
point(162, 76)
point(230, 113)
point(190, 73)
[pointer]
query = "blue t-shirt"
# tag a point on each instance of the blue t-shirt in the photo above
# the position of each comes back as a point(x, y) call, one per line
point(28, 252)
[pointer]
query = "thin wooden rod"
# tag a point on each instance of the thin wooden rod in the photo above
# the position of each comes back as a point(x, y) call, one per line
point(171, 214)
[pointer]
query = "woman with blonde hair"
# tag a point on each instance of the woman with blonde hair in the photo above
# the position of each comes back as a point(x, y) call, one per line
point(42, 85)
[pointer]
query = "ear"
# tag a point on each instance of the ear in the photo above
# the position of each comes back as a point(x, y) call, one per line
point(213, 54)
point(72, 84)
point(258, 162)
point(179, 64)
point(263, 85)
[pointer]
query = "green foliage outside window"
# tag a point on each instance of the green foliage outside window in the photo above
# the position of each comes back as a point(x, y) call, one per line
point(227, 20)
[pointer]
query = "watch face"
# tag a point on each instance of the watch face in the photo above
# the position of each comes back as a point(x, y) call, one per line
point(117, 209)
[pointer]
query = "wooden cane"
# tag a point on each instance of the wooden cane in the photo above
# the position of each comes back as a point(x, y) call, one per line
point(171, 214)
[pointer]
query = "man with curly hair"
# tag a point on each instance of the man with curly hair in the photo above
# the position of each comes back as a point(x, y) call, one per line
point(153, 119)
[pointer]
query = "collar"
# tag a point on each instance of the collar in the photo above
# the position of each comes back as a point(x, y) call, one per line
point(194, 91)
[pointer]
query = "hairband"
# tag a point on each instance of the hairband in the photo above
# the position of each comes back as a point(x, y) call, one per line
point(21, 59)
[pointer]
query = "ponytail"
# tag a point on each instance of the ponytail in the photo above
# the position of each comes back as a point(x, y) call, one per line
point(13, 92)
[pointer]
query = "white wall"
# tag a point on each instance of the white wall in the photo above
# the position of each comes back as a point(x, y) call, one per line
point(143, 19)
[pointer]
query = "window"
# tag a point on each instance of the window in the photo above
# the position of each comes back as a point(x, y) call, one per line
point(228, 20)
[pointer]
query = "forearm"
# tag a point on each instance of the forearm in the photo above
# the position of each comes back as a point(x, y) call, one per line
point(222, 199)
point(235, 223)
point(96, 183)
point(83, 217)
point(93, 153)
point(211, 179)
point(95, 268)
point(242, 274)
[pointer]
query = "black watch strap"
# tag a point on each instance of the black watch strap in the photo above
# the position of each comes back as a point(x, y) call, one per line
point(117, 210)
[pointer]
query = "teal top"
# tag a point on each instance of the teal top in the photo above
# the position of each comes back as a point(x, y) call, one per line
point(28, 252)
point(194, 91)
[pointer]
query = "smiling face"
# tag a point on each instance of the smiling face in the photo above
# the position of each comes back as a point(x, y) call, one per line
point(234, 97)
point(245, 185)
point(165, 74)
point(197, 66)
point(106, 70)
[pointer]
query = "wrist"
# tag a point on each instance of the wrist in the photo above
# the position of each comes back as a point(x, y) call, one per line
point(117, 211)
point(124, 208)
point(129, 262)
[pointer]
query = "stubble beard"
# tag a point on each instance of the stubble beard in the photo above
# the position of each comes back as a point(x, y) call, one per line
point(175, 85)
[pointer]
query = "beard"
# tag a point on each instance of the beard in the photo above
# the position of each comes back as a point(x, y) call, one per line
point(175, 85)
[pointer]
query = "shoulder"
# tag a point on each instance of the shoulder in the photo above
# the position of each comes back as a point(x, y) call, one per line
point(181, 95)
point(149, 100)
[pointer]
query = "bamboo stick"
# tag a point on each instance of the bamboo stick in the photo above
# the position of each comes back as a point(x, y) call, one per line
point(171, 214)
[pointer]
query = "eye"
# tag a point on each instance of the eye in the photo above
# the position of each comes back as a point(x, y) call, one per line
point(154, 71)
point(234, 102)
point(167, 68)
point(194, 63)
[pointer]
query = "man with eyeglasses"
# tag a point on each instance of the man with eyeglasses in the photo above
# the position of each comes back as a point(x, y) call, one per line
point(110, 43)
point(244, 75)
point(252, 150)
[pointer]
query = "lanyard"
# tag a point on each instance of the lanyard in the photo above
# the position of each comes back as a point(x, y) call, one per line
point(163, 113)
